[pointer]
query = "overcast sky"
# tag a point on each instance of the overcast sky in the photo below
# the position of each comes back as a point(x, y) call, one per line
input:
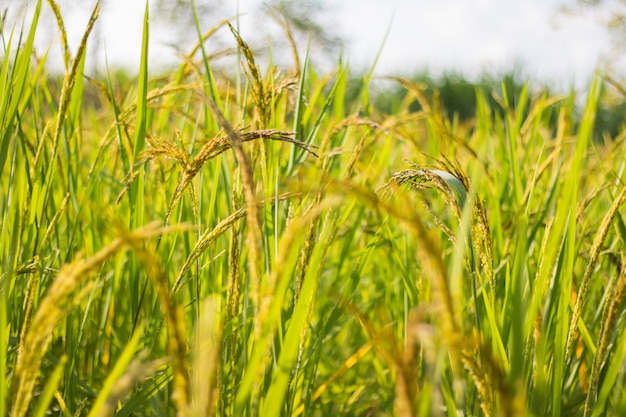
point(479, 35)
point(468, 36)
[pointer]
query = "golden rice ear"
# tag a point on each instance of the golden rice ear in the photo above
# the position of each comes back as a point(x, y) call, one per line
point(256, 83)
point(128, 372)
point(206, 359)
point(447, 185)
point(210, 150)
point(174, 320)
point(453, 186)
point(73, 71)
point(59, 18)
point(596, 248)
point(36, 339)
point(254, 235)
point(610, 317)
point(209, 236)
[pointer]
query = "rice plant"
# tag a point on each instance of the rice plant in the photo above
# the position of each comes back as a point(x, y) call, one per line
point(262, 242)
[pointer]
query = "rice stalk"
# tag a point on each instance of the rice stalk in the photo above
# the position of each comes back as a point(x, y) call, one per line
point(222, 144)
point(136, 372)
point(61, 402)
point(537, 322)
point(610, 318)
point(233, 299)
point(50, 389)
point(404, 358)
point(280, 277)
point(176, 341)
point(208, 335)
point(479, 228)
point(123, 118)
point(596, 248)
point(407, 369)
point(206, 37)
point(306, 258)
point(490, 377)
point(349, 363)
point(70, 78)
point(40, 147)
point(615, 84)
point(32, 290)
point(537, 175)
point(536, 111)
point(588, 199)
point(279, 18)
point(59, 18)
point(129, 370)
point(234, 283)
point(193, 201)
point(254, 234)
point(305, 253)
point(216, 146)
point(29, 267)
point(52, 309)
point(355, 156)
point(209, 236)
point(259, 96)
point(428, 250)
point(483, 386)
point(357, 120)
point(422, 179)
point(289, 360)
point(434, 115)
point(453, 188)
point(485, 371)
point(168, 149)
point(128, 180)
point(54, 220)
point(189, 65)
point(481, 235)
point(288, 84)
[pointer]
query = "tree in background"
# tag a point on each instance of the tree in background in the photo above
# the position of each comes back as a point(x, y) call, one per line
point(173, 24)
point(305, 20)
point(612, 14)
point(308, 18)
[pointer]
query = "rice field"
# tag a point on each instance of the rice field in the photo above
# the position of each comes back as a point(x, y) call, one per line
point(265, 242)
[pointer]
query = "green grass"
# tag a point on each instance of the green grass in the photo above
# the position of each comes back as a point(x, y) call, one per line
point(267, 242)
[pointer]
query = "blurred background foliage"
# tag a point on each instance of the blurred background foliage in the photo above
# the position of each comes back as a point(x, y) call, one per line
point(311, 22)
